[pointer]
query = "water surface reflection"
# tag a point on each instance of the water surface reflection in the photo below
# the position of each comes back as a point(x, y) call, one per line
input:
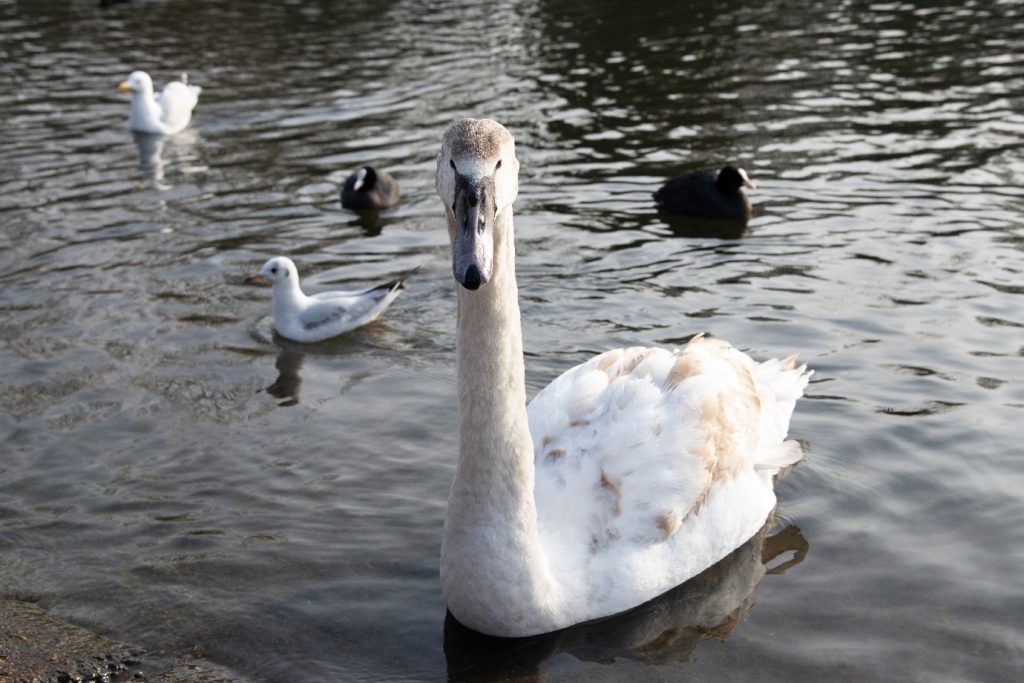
point(884, 248)
point(289, 377)
point(664, 631)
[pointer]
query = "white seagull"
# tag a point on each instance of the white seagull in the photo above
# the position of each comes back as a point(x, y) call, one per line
point(624, 477)
point(314, 318)
point(166, 113)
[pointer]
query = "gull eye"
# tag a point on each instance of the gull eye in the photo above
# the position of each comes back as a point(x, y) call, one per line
point(274, 270)
point(497, 165)
point(451, 162)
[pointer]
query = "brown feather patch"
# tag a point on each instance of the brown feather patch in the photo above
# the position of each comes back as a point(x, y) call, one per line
point(609, 359)
point(613, 486)
point(669, 523)
point(685, 366)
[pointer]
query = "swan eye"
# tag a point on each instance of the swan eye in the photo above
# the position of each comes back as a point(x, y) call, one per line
point(451, 162)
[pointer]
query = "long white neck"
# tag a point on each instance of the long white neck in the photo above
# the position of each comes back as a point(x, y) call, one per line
point(493, 570)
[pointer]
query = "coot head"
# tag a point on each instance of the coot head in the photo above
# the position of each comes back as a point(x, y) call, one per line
point(730, 179)
point(366, 178)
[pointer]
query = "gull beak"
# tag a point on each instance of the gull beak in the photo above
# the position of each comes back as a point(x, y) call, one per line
point(124, 86)
point(253, 277)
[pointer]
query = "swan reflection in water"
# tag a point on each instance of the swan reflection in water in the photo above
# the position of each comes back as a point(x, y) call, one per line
point(666, 630)
point(289, 379)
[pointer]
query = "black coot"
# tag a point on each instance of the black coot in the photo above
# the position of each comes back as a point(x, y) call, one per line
point(369, 188)
point(705, 195)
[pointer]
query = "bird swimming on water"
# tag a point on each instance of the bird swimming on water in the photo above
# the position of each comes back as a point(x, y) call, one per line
point(163, 114)
point(626, 476)
point(369, 188)
point(704, 195)
point(321, 316)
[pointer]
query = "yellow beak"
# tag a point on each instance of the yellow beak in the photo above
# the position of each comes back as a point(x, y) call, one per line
point(124, 86)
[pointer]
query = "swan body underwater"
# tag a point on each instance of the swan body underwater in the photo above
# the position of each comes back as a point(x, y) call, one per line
point(325, 315)
point(624, 477)
point(163, 114)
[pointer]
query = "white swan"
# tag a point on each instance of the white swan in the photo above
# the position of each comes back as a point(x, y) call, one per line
point(165, 114)
point(314, 318)
point(626, 476)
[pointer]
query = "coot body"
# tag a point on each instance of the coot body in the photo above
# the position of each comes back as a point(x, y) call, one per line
point(369, 188)
point(706, 195)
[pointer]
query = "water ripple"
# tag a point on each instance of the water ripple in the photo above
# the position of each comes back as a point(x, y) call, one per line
point(242, 488)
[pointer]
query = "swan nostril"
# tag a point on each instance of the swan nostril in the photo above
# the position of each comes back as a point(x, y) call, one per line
point(472, 279)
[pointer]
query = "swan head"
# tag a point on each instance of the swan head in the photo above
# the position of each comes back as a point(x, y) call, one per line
point(477, 179)
point(275, 270)
point(137, 82)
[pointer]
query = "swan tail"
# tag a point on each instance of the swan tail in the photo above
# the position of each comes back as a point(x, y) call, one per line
point(786, 381)
point(787, 453)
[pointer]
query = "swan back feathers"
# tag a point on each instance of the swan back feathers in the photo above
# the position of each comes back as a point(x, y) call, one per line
point(631, 446)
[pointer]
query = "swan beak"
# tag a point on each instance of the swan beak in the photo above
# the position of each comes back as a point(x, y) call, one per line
point(124, 86)
point(253, 277)
point(472, 256)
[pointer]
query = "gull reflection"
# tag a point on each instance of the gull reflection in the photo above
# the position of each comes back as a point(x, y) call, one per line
point(666, 630)
point(288, 382)
point(151, 162)
point(157, 151)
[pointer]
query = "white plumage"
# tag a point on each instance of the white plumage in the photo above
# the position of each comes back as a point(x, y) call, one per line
point(166, 113)
point(651, 465)
point(624, 477)
point(320, 316)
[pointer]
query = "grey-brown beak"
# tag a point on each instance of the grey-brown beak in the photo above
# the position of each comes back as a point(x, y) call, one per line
point(474, 209)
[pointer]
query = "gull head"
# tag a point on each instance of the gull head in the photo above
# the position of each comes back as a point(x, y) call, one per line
point(137, 82)
point(275, 270)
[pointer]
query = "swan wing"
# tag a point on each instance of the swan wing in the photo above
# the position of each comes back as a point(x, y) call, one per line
point(632, 445)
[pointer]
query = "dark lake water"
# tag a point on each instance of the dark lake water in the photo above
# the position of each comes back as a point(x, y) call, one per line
point(160, 484)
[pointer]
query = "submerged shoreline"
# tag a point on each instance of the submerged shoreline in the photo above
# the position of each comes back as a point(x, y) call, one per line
point(36, 647)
